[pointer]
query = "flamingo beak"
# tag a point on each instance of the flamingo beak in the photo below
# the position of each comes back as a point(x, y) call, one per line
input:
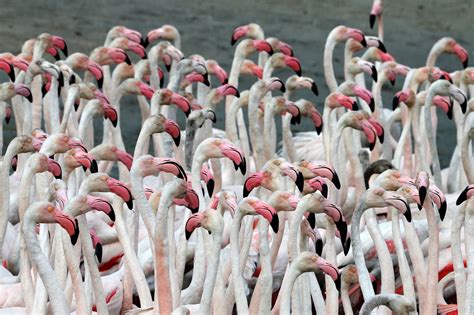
point(372, 18)
point(314, 88)
point(318, 247)
point(335, 181)
point(275, 223)
point(121, 190)
point(463, 195)
point(54, 168)
point(69, 224)
point(210, 186)
point(442, 210)
point(312, 220)
point(374, 73)
point(98, 252)
point(8, 68)
point(395, 102)
point(346, 246)
point(422, 193)
point(253, 181)
point(342, 228)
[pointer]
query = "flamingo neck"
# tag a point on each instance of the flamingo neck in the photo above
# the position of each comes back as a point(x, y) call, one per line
point(56, 294)
point(364, 278)
point(328, 66)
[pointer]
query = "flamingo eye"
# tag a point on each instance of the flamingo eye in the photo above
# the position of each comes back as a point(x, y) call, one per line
point(50, 209)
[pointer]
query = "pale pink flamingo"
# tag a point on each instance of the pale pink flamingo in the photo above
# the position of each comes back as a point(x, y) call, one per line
point(305, 262)
point(248, 206)
point(399, 304)
point(212, 221)
point(43, 212)
point(372, 198)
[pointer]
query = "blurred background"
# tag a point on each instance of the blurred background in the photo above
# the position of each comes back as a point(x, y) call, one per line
point(411, 28)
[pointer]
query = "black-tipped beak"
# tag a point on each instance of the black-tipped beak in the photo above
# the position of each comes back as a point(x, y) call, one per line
point(392, 82)
point(450, 111)
point(94, 168)
point(14, 163)
point(246, 191)
point(465, 63)
point(335, 181)
point(100, 83)
point(61, 79)
point(464, 106)
point(442, 210)
point(72, 79)
point(374, 74)
point(314, 88)
point(127, 60)
point(64, 50)
point(311, 220)
point(177, 140)
point(75, 236)
point(363, 42)
point(30, 97)
point(237, 93)
point(283, 88)
point(299, 181)
point(98, 252)
point(342, 228)
point(463, 196)
point(76, 105)
point(111, 214)
point(226, 80)
point(372, 18)
point(214, 117)
point(43, 90)
point(206, 80)
point(11, 74)
point(298, 72)
point(319, 129)
point(210, 187)
point(114, 122)
point(372, 104)
point(355, 106)
point(318, 247)
point(346, 246)
point(144, 42)
point(232, 40)
point(243, 166)
point(56, 56)
point(181, 173)
point(395, 102)
point(195, 210)
point(324, 190)
point(162, 81)
point(382, 136)
point(168, 67)
point(407, 213)
point(130, 203)
point(295, 120)
point(7, 119)
point(371, 145)
point(188, 234)
point(337, 282)
point(382, 46)
point(275, 223)
point(422, 193)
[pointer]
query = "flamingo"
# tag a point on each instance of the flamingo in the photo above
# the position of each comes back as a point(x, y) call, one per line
point(42, 212)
